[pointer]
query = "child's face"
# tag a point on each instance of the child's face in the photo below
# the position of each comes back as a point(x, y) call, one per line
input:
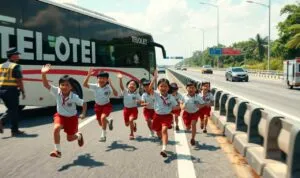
point(102, 81)
point(205, 87)
point(147, 88)
point(163, 88)
point(132, 86)
point(191, 90)
point(65, 87)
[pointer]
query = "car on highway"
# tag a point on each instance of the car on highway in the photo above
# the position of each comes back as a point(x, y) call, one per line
point(183, 67)
point(236, 74)
point(207, 69)
point(178, 67)
point(161, 69)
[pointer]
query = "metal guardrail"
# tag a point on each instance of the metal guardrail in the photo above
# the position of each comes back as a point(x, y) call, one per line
point(269, 142)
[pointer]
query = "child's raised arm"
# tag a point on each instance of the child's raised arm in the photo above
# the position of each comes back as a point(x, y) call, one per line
point(86, 80)
point(155, 76)
point(44, 70)
point(113, 88)
point(120, 76)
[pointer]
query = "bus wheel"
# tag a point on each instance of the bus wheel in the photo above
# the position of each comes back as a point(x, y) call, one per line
point(77, 89)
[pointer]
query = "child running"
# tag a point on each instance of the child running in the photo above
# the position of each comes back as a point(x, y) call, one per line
point(66, 117)
point(178, 97)
point(208, 98)
point(131, 99)
point(164, 103)
point(102, 91)
point(191, 104)
point(148, 103)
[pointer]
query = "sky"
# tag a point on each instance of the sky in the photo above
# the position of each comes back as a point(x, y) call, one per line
point(179, 24)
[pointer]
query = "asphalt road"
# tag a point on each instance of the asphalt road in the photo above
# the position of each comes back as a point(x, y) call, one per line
point(28, 156)
point(271, 94)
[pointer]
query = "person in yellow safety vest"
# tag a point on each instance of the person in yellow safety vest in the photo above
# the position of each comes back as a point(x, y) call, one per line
point(11, 85)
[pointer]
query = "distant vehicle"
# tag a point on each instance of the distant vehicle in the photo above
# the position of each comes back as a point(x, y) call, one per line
point(291, 72)
point(183, 67)
point(236, 74)
point(207, 69)
point(178, 67)
point(161, 69)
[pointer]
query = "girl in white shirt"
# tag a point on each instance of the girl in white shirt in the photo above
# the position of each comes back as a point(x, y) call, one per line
point(208, 98)
point(131, 99)
point(178, 98)
point(164, 103)
point(102, 92)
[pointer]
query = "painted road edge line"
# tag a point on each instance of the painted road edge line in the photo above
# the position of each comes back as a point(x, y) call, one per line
point(185, 166)
point(86, 121)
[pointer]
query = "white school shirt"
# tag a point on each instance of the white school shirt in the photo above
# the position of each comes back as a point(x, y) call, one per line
point(165, 106)
point(208, 98)
point(191, 102)
point(101, 94)
point(178, 97)
point(67, 108)
point(148, 99)
point(130, 99)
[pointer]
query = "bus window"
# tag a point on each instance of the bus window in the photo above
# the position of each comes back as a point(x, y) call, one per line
point(151, 61)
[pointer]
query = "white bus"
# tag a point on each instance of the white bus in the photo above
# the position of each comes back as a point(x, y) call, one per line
point(72, 39)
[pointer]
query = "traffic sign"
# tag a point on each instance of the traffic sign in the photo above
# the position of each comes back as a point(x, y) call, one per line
point(215, 51)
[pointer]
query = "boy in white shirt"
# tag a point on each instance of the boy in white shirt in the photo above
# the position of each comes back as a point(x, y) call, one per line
point(66, 117)
point(190, 105)
point(102, 91)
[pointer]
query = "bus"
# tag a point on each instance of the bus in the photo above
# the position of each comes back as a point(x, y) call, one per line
point(72, 39)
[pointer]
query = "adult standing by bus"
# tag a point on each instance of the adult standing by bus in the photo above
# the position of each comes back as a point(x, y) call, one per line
point(11, 85)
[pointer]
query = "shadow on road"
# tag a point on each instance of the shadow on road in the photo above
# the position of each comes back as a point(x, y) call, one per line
point(146, 139)
point(173, 156)
point(214, 135)
point(119, 146)
point(26, 135)
point(84, 161)
point(206, 147)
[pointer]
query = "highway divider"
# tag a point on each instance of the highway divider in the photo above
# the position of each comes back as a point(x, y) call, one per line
point(269, 142)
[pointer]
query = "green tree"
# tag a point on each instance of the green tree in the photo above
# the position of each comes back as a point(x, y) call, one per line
point(260, 44)
point(294, 42)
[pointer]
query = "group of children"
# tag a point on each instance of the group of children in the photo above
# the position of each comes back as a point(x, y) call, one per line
point(159, 106)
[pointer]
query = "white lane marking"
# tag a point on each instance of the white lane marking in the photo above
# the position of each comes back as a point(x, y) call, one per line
point(7, 19)
point(86, 121)
point(288, 116)
point(185, 166)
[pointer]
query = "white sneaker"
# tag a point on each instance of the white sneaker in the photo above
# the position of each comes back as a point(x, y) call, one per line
point(152, 134)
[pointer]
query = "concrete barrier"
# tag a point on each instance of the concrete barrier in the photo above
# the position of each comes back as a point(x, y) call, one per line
point(237, 126)
point(243, 141)
point(286, 163)
point(268, 129)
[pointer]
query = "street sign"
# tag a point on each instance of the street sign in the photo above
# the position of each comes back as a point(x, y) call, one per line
point(215, 51)
point(174, 57)
point(231, 51)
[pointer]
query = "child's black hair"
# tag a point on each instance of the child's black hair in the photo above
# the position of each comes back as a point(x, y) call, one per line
point(136, 83)
point(163, 80)
point(191, 83)
point(103, 74)
point(65, 78)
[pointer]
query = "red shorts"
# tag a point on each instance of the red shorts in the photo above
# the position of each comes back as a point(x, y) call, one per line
point(189, 117)
point(102, 109)
point(70, 124)
point(176, 112)
point(130, 113)
point(162, 120)
point(205, 111)
point(148, 114)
